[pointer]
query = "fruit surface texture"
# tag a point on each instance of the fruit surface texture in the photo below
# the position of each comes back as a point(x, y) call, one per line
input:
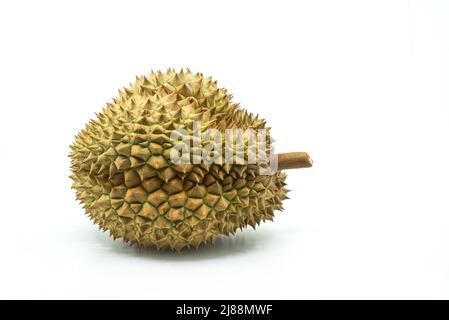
point(127, 183)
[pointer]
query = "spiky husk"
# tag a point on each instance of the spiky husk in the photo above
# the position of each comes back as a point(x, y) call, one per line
point(127, 184)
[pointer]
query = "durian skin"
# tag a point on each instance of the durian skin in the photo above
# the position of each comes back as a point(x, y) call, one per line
point(123, 176)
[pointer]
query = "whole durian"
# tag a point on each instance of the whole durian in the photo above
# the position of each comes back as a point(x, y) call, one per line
point(123, 175)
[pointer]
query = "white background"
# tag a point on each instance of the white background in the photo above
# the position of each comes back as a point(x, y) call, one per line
point(363, 86)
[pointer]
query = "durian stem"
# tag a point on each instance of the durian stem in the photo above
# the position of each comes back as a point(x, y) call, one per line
point(294, 160)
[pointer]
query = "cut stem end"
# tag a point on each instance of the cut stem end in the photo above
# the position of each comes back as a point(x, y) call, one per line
point(294, 160)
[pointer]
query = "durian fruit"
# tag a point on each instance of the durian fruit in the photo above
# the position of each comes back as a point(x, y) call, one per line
point(124, 178)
